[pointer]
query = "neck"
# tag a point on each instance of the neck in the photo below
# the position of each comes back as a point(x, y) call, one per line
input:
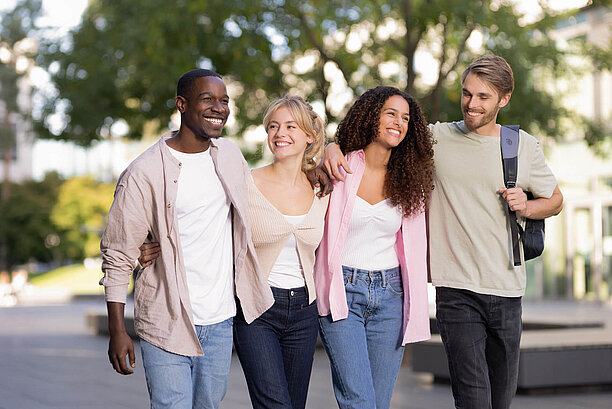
point(490, 129)
point(376, 156)
point(186, 141)
point(288, 171)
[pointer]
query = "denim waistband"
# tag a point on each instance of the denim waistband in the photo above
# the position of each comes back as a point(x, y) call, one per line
point(383, 275)
point(289, 292)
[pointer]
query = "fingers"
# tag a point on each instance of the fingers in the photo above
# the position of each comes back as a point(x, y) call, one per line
point(148, 253)
point(131, 357)
point(516, 199)
point(333, 169)
point(327, 189)
point(345, 165)
point(119, 364)
point(333, 160)
point(119, 347)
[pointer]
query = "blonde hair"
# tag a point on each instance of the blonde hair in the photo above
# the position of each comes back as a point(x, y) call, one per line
point(308, 121)
point(495, 70)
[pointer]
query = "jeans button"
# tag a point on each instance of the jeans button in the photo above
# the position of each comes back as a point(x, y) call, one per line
point(292, 293)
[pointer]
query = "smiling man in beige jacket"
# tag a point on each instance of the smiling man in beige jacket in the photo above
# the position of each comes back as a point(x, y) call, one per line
point(188, 193)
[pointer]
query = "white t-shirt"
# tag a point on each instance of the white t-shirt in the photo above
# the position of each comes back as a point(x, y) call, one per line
point(370, 240)
point(205, 233)
point(287, 271)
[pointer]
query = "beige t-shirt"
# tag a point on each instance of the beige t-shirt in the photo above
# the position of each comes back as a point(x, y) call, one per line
point(469, 233)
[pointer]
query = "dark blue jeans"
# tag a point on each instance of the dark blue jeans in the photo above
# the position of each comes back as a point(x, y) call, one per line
point(276, 350)
point(481, 335)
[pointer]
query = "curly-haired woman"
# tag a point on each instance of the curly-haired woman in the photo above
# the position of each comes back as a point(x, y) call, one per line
point(370, 270)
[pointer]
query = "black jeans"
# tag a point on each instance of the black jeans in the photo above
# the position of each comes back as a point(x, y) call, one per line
point(481, 335)
point(276, 350)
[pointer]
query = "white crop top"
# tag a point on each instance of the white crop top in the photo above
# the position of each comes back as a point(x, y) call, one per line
point(370, 241)
point(287, 271)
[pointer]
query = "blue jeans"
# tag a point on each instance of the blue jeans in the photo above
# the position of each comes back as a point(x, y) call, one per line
point(365, 349)
point(185, 382)
point(481, 335)
point(276, 350)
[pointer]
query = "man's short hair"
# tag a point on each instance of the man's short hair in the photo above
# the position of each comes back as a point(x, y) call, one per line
point(495, 70)
point(185, 83)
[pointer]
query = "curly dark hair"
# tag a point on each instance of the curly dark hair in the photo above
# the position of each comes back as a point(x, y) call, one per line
point(409, 179)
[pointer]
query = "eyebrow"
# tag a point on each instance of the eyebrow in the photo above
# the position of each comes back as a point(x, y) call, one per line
point(286, 122)
point(395, 110)
point(210, 93)
point(480, 94)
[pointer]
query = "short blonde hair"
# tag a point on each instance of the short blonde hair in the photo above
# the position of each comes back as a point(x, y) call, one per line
point(495, 70)
point(308, 121)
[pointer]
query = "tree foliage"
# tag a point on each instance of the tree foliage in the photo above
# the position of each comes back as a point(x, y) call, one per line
point(16, 26)
point(123, 61)
point(80, 215)
point(26, 230)
point(54, 219)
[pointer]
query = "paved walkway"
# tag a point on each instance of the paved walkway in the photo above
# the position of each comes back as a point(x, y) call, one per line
point(50, 359)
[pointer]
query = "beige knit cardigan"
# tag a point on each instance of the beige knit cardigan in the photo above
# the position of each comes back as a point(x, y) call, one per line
point(270, 231)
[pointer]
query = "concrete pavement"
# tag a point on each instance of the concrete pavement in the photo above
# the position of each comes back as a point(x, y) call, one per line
point(50, 359)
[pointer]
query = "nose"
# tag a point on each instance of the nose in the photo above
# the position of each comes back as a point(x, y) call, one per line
point(218, 106)
point(472, 102)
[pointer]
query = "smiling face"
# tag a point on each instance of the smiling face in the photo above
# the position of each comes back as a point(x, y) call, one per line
point(480, 104)
point(285, 137)
point(394, 119)
point(205, 111)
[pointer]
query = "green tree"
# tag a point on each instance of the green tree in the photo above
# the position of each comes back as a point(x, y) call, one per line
point(15, 57)
point(125, 57)
point(123, 61)
point(26, 230)
point(80, 215)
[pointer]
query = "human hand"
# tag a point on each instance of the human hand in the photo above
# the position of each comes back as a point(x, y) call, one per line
point(516, 199)
point(318, 178)
point(120, 345)
point(333, 160)
point(148, 253)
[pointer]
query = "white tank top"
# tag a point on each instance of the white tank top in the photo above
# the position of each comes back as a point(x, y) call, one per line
point(370, 241)
point(287, 271)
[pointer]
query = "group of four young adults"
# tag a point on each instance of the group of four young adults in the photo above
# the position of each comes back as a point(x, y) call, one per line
point(265, 252)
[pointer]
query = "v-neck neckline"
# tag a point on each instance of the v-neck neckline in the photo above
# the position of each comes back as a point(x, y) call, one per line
point(259, 192)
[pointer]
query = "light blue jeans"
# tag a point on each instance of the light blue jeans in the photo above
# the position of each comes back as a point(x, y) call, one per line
point(186, 382)
point(365, 349)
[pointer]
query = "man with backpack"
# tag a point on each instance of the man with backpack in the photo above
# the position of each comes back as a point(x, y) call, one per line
point(478, 284)
point(479, 281)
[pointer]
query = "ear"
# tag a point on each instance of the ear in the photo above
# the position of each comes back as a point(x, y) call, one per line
point(504, 100)
point(180, 104)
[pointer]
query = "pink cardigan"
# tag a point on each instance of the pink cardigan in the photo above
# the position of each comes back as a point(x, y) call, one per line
point(411, 247)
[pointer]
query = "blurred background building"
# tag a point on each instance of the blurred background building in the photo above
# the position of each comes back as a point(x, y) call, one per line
point(578, 259)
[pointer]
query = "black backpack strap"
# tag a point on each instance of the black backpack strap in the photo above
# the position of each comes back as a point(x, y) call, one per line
point(509, 148)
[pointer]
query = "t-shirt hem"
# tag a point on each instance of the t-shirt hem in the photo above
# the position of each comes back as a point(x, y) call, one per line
point(488, 291)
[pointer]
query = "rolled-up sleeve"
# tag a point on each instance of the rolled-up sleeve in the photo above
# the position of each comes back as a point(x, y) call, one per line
point(126, 230)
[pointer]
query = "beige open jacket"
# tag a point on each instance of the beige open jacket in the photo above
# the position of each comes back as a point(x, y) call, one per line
point(144, 207)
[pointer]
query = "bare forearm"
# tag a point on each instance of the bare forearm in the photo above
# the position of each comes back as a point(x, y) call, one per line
point(116, 323)
point(542, 208)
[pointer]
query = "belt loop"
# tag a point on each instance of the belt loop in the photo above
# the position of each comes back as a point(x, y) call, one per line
point(354, 277)
point(384, 278)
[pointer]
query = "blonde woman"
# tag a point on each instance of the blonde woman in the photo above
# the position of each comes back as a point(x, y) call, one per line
point(276, 349)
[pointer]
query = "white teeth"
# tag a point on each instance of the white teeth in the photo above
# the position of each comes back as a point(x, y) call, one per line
point(394, 131)
point(281, 143)
point(474, 114)
point(215, 121)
